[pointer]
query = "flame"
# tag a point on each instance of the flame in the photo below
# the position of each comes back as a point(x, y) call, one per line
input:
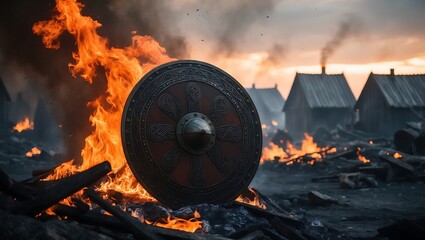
point(362, 158)
point(254, 202)
point(308, 147)
point(181, 224)
point(24, 125)
point(123, 67)
point(34, 151)
point(274, 123)
point(397, 155)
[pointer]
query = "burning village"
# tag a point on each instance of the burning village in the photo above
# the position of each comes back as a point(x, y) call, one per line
point(143, 119)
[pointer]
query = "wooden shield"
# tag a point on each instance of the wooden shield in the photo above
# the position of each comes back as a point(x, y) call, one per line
point(191, 134)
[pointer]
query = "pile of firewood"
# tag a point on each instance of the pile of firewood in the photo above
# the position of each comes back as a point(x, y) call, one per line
point(31, 209)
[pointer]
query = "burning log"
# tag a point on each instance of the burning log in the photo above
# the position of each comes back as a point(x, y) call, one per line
point(61, 189)
point(89, 217)
point(133, 224)
point(262, 206)
point(396, 162)
point(144, 231)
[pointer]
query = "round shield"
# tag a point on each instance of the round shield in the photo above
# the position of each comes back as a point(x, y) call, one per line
point(191, 134)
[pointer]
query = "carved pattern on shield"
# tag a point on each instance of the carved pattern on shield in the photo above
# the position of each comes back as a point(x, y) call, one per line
point(193, 94)
point(219, 108)
point(168, 105)
point(229, 133)
point(197, 171)
point(222, 162)
point(170, 160)
point(159, 132)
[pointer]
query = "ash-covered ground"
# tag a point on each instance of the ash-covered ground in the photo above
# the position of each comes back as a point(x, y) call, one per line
point(358, 213)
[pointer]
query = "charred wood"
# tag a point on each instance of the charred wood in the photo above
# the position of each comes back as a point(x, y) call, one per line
point(404, 138)
point(90, 217)
point(255, 235)
point(259, 212)
point(419, 145)
point(286, 230)
point(325, 178)
point(15, 189)
point(59, 190)
point(404, 229)
point(320, 199)
point(133, 224)
point(403, 166)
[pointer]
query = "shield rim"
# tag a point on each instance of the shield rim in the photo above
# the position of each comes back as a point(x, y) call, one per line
point(254, 116)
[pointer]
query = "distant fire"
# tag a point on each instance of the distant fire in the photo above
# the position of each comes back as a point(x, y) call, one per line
point(255, 201)
point(34, 151)
point(24, 125)
point(361, 158)
point(397, 155)
point(308, 147)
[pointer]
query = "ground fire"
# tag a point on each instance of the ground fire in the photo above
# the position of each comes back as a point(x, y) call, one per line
point(24, 125)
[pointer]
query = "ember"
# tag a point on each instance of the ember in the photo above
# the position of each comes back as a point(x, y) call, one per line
point(24, 125)
point(34, 151)
point(361, 157)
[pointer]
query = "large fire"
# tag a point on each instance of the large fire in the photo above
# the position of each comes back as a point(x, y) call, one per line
point(308, 147)
point(123, 67)
point(26, 124)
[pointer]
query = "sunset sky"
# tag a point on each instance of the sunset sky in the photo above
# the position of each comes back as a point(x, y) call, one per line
point(263, 42)
point(384, 34)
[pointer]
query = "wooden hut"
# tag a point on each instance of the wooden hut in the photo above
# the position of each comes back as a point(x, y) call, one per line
point(269, 103)
point(318, 100)
point(388, 101)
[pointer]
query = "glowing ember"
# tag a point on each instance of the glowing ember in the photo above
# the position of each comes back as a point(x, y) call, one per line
point(308, 147)
point(24, 125)
point(397, 155)
point(122, 67)
point(254, 202)
point(190, 225)
point(274, 123)
point(361, 158)
point(34, 151)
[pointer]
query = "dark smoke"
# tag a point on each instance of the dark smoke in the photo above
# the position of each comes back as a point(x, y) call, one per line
point(276, 54)
point(235, 19)
point(44, 72)
point(346, 29)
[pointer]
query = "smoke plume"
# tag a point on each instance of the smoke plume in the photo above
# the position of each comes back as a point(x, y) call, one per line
point(234, 20)
point(347, 28)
